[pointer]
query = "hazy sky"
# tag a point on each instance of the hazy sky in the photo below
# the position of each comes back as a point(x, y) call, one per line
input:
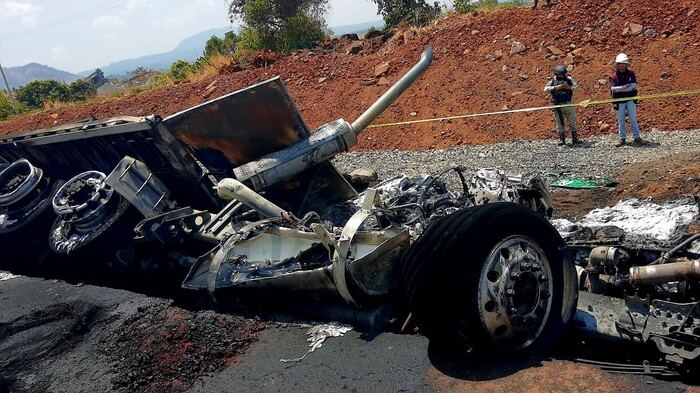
point(80, 35)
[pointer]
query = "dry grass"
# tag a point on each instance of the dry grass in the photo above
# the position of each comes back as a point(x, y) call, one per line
point(213, 68)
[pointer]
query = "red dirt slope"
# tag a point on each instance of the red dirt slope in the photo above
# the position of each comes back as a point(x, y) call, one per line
point(473, 72)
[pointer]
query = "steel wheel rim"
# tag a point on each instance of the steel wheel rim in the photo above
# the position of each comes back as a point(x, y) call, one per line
point(515, 292)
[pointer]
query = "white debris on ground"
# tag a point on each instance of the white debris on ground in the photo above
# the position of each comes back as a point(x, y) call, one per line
point(318, 334)
point(7, 276)
point(642, 218)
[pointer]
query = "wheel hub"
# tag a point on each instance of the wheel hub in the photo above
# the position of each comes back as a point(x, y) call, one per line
point(515, 292)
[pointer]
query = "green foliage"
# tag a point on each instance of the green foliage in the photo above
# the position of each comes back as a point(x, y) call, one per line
point(413, 12)
point(37, 93)
point(217, 46)
point(81, 90)
point(464, 6)
point(279, 25)
point(6, 109)
point(161, 79)
point(179, 70)
point(34, 94)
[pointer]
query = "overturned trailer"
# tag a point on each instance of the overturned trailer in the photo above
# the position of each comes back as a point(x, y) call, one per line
point(238, 199)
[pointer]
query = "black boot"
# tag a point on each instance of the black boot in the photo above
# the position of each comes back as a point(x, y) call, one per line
point(574, 139)
point(562, 140)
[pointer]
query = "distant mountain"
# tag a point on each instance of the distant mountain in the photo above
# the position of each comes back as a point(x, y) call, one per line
point(189, 49)
point(358, 28)
point(20, 76)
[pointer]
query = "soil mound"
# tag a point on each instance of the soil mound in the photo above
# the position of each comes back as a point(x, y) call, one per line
point(475, 70)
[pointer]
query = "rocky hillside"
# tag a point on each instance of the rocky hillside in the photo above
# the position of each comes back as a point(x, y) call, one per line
point(20, 76)
point(483, 62)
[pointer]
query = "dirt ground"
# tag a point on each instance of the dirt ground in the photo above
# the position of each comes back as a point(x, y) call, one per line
point(159, 348)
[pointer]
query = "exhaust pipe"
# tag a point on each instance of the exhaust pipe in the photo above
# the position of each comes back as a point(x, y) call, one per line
point(326, 141)
point(394, 92)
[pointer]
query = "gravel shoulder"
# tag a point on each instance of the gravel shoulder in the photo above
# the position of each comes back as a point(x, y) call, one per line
point(596, 157)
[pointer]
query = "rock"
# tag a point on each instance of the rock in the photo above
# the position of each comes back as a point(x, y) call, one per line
point(498, 55)
point(664, 75)
point(604, 126)
point(632, 29)
point(321, 80)
point(363, 175)
point(524, 77)
point(355, 48)
point(414, 114)
point(517, 47)
point(602, 82)
point(649, 33)
point(504, 68)
point(691, 13)
point(570, 58)
point(505, 108)
point(587, 29)
point(466, 51)
point(577, 52)
point(369, 81)
point(554, 50)
point(382, 69)
point(350, 36)
point(475, 32)
point(506, 38)
point(383, 82)
point(210, 89)
point(516, 93)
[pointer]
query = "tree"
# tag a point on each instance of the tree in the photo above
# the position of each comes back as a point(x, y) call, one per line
point(81, 90)
point(6, 109)
point(34, 94)
point(279, 25)
point(217, 46)
point(414, 12)
point(179, 70)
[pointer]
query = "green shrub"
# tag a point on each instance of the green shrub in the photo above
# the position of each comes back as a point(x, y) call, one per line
point(179, 70)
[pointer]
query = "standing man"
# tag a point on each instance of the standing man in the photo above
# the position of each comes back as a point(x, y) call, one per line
point(549, 3)
point(623, 84)
point(562, 88)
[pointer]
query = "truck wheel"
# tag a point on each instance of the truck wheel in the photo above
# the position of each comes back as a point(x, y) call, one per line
point(493, 277)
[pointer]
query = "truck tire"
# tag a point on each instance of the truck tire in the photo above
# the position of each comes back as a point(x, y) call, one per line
point(493, 277)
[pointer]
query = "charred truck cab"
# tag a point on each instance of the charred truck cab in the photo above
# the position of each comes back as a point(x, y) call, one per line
point(238, 199)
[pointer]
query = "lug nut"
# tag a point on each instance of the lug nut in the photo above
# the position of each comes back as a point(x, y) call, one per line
point(535, 267)
point(543, 277)
point(514, 275)
point(510, 292)
point(525, 266)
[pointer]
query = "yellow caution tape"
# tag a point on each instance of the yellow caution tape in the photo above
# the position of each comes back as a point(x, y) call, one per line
point(585, 103)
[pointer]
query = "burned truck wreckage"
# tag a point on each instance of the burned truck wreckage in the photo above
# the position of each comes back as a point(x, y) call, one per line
point(237, 199)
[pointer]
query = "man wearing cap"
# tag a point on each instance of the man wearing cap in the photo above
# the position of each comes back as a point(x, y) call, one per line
point(562, 88)
point(623, 84)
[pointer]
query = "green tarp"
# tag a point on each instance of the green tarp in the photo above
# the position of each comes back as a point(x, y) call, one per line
point(583, 183)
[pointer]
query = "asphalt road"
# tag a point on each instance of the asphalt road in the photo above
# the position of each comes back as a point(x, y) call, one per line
point(355, 362)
